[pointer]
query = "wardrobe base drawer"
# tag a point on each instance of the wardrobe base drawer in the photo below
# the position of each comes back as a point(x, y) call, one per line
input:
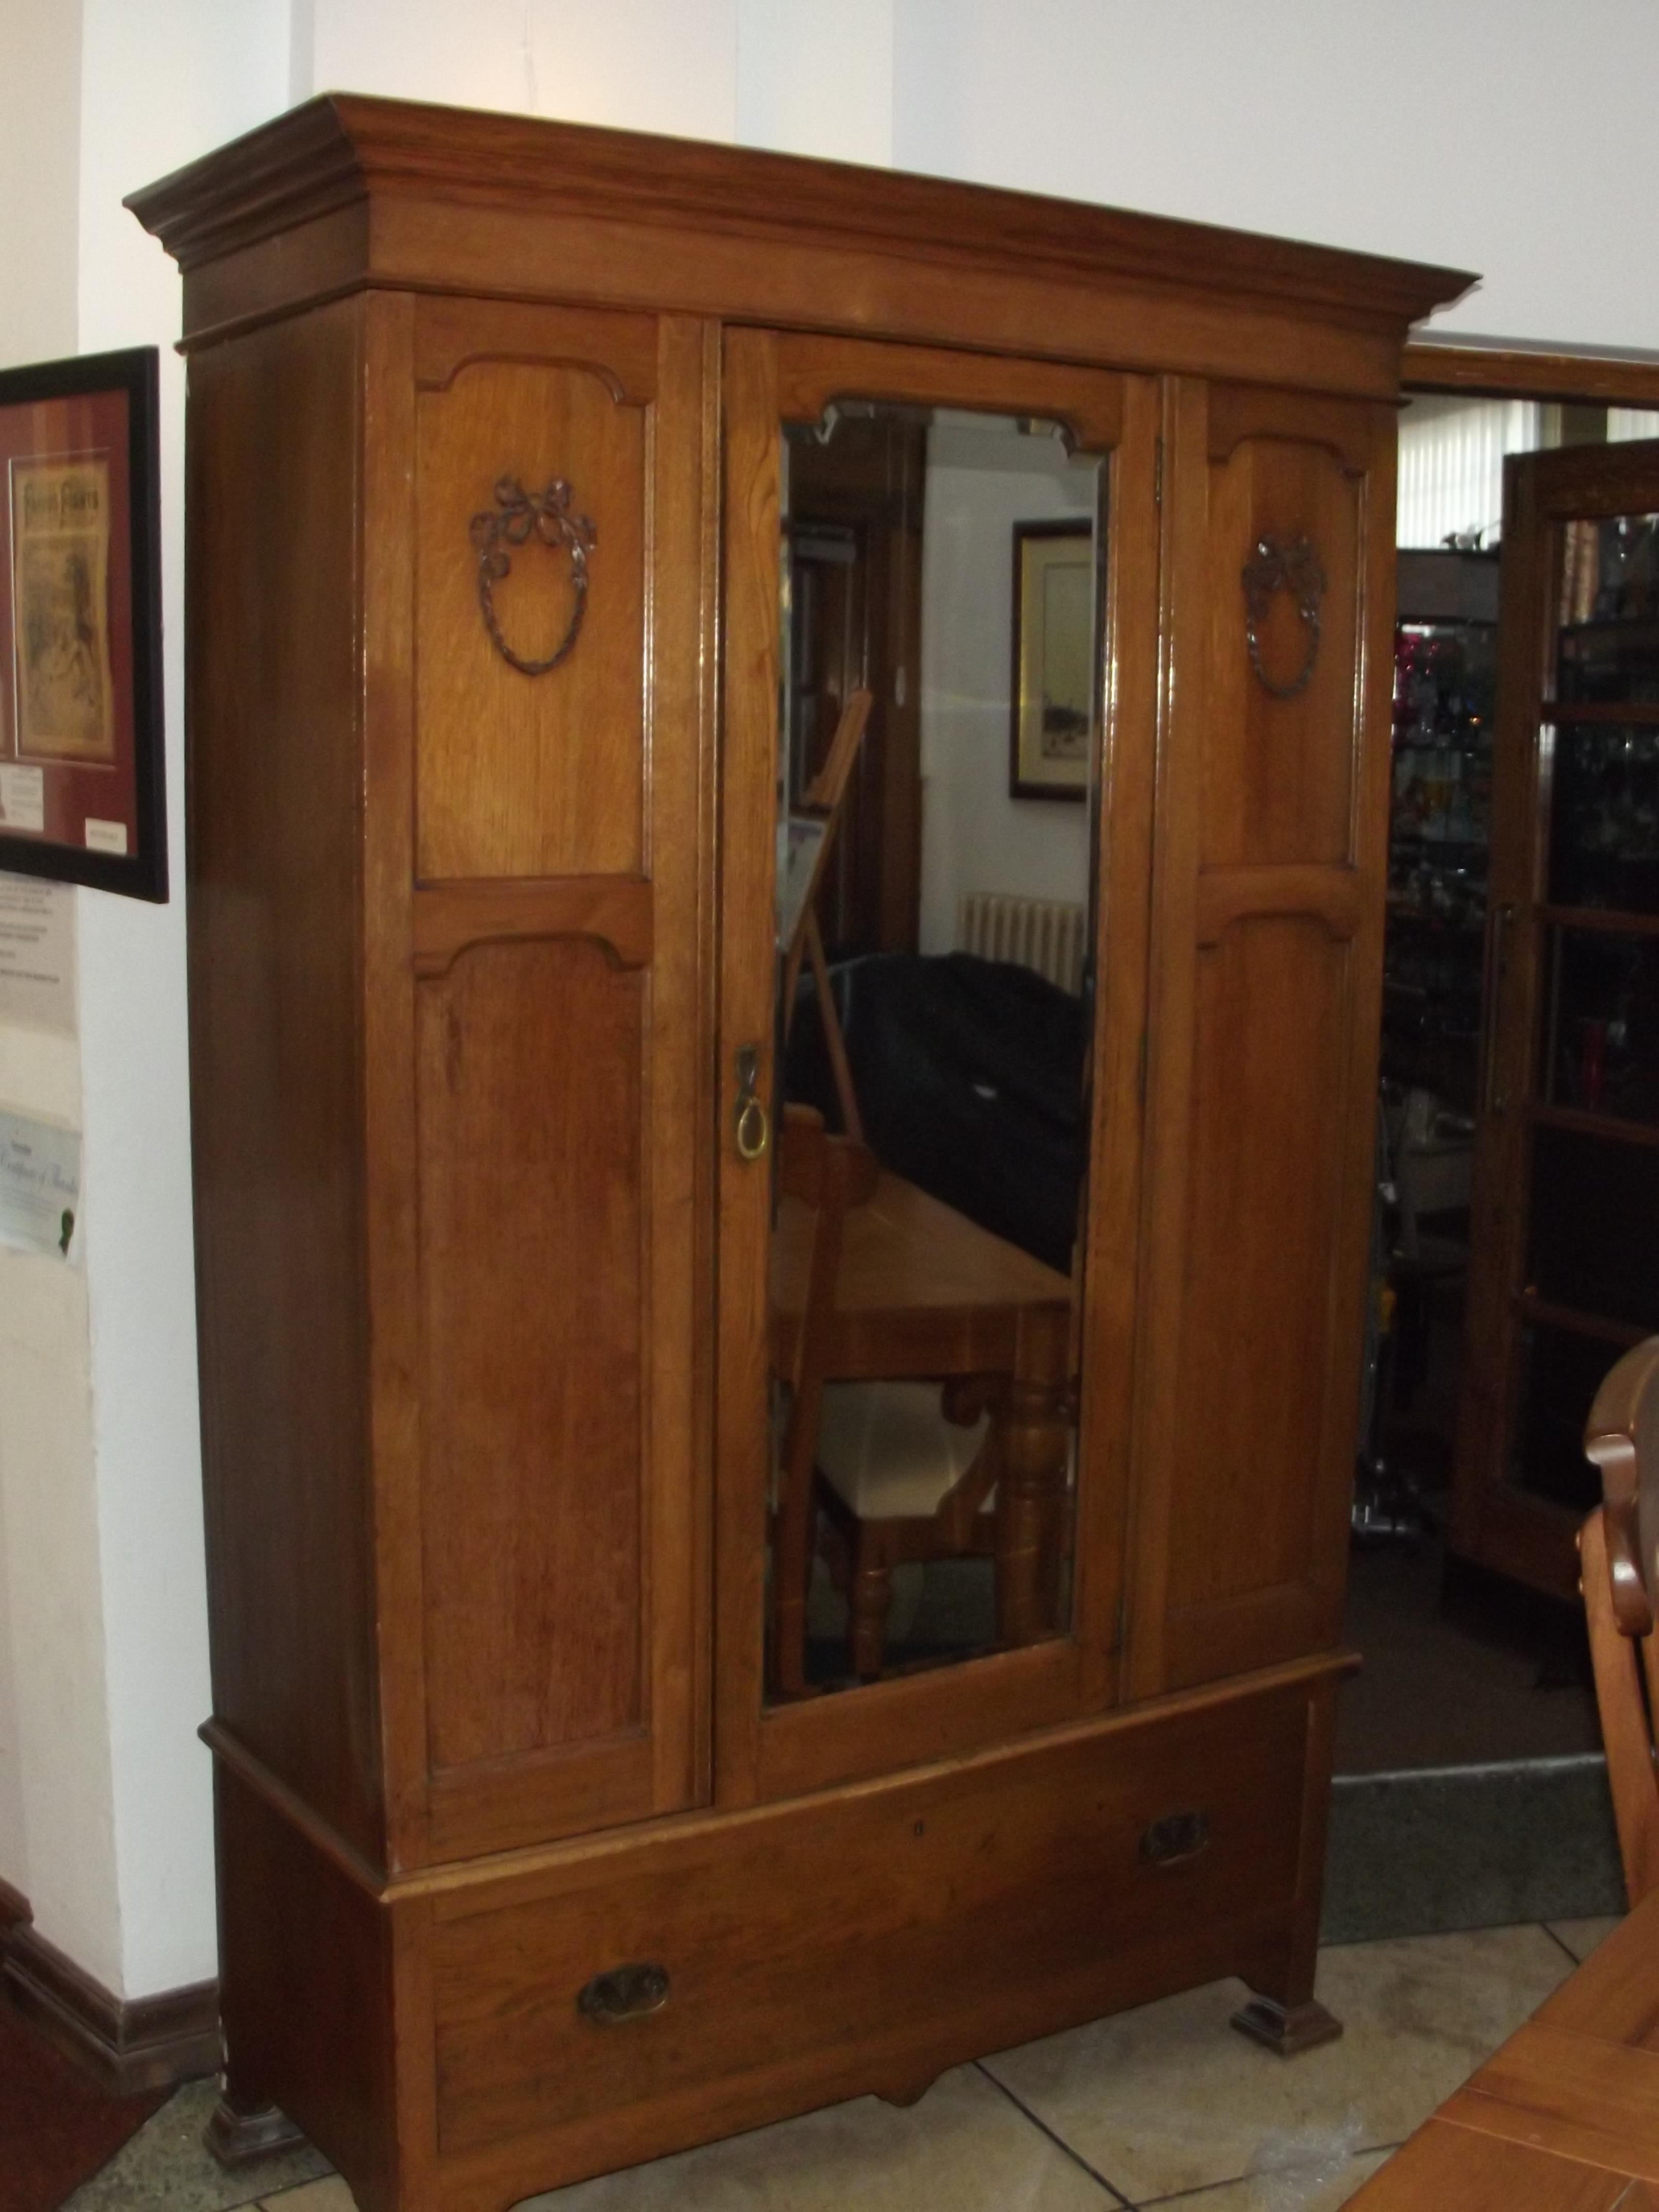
point(656, 1992)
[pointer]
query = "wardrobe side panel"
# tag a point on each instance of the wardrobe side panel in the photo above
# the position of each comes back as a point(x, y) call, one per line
point(274, 844)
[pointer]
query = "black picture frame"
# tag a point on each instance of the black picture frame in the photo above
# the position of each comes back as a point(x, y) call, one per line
point(82, 712)
point(1033, 772)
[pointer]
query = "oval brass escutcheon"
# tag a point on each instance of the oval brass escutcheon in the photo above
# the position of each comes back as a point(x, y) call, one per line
point(624, 1993)
point(1176, 1839)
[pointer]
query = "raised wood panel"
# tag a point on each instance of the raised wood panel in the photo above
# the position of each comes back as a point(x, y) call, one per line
point(276, 1055)
point(1267, 1110)
point(518, 775)
point(529, 1087)
point(1279, 773)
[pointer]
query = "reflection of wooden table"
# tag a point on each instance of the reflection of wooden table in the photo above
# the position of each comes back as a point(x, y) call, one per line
point(924, 1292)
point(1565, 2117)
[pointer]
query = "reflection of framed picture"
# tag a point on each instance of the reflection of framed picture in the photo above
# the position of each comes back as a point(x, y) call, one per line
point(1054, 677)
point(82, 794)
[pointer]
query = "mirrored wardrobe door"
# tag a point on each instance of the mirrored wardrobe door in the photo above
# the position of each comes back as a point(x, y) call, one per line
point(940, 613)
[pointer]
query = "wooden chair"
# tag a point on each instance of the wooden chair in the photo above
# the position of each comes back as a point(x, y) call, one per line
point(900, 1471)
point(1617, 1548)
point(822, 804)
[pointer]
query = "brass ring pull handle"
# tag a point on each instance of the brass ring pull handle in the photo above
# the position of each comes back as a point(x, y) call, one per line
point(625, 1993)
point(1282, 565)
point(753, 1130)
point(1176, 1839)
point(518, 516)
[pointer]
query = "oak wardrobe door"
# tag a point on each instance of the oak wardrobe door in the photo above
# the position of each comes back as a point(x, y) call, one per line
point(550, 1017)
point(1262, 1043)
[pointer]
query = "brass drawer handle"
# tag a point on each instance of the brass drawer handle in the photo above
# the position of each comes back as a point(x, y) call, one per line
point(624, 1993)
point(1176, 1840)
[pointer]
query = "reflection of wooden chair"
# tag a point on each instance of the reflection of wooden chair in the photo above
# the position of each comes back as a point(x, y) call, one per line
point(902, 1471)
point(813, 1172)
point(1617, 1554)
point(822, 804)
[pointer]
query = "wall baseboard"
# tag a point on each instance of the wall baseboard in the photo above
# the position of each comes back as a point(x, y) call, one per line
point(129, 2046)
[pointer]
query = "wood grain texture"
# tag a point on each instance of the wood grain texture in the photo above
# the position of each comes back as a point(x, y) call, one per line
point(968, 1890)
point(335, 150)
point(1270, 1022)
point(274, 751)
point(390, 1137)
point(1494, 1520)
point(1446, 2165)
point(484, 1282)
point(306, 1988)
point(1279, 773)
point(1262, 1048)
point(1115, 1224)
point(614, 911)
point(812, 372)
point(748, 973)
point(1481, 371)
point(518, 775)
point(530, 1090)
point(1578, 2096)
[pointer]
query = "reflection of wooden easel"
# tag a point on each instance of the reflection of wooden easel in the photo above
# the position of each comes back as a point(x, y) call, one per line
point(821, 806)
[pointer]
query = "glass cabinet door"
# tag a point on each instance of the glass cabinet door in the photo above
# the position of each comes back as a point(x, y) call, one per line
point(1567, 1175)
point(924, 621)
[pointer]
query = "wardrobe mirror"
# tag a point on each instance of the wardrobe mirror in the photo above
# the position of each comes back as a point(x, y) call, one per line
point(940, 707)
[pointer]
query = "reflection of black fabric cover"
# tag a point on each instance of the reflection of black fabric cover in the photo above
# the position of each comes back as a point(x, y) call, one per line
point(968, 1075)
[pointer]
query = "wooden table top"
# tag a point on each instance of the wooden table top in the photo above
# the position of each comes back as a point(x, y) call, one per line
point(1565, 2117)
point(920, 1282)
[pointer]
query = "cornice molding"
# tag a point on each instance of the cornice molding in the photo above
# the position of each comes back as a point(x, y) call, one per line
point(342, 148)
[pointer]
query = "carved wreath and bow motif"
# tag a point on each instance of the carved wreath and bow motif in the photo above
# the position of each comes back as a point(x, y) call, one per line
point(516, 516)
point(1290, 565)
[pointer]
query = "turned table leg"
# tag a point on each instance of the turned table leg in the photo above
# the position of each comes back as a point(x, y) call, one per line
point(1031, 1496)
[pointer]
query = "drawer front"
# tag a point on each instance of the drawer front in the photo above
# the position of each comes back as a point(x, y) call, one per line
point(847, 1943)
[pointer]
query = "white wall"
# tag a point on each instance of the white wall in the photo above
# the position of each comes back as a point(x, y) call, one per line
point(56, 1818)
point(1491, 135)
point(1496, 134)
point(983, 478)
point(668, 65)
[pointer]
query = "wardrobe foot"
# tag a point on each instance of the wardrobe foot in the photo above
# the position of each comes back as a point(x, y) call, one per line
point(237, 2134)
point(1287, 2029)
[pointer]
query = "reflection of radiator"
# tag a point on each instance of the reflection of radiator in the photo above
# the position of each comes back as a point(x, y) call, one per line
point(1046, 935)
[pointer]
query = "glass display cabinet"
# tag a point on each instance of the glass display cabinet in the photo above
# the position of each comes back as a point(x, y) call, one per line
point(1567, 1188)
point(1440, 821)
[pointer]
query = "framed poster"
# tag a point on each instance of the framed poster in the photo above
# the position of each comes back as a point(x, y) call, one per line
point(1052, 692)
point(81, 791)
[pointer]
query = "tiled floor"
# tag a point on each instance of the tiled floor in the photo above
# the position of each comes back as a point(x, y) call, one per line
point(1165, 2105)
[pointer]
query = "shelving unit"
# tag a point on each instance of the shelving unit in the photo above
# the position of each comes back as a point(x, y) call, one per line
point(1566, 1204)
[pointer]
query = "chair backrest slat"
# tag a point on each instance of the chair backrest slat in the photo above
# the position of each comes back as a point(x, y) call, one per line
point(1616, 1555)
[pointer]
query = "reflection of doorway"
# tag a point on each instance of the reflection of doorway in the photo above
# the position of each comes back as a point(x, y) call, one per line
point(1481, 1667)
point(854, 552)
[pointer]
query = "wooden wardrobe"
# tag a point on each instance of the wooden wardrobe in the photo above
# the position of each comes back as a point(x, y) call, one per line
point(524, 1875)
